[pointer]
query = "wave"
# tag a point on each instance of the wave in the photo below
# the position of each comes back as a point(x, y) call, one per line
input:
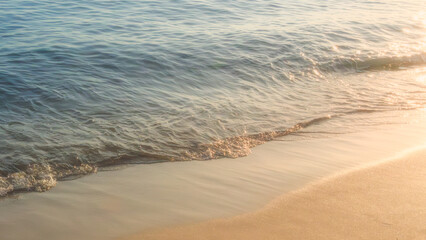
point(240, 146)
point(42, 177)
point(374, 64)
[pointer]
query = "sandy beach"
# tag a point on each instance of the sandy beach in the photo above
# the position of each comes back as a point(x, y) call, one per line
point(386, 201)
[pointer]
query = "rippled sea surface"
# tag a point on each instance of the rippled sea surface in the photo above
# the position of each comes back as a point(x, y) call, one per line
point(86, 84)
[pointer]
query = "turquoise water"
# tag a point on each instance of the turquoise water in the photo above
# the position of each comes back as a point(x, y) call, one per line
point(86, 84)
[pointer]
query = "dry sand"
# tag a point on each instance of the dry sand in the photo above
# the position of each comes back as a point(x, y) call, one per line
point(386, 201)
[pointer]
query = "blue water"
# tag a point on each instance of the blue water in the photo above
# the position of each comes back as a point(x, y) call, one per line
point(85, 84)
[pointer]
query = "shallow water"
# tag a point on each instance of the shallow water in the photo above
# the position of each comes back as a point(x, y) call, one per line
point(85, 84)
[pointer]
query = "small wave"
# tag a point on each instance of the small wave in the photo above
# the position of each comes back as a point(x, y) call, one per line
point(42, 177)
point(240, 146)
point(375, 64)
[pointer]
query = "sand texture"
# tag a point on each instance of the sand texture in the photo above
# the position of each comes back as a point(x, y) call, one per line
point(385, 201)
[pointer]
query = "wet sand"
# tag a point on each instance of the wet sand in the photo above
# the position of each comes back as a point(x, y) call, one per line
point(386, 201)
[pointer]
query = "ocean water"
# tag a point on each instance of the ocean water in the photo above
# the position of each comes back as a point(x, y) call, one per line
point(89, 84)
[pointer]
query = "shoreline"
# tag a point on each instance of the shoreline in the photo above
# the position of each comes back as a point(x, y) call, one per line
point(385, 200)
point(111, 204)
